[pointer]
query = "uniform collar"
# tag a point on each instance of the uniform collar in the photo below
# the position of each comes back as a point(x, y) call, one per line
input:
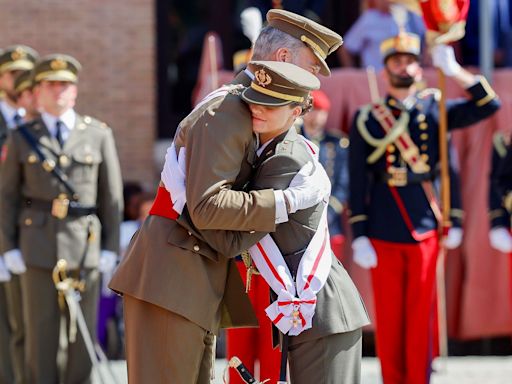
point(9, 113)
point(68, 118)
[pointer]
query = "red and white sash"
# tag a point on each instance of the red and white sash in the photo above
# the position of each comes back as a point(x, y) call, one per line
point(294, 308)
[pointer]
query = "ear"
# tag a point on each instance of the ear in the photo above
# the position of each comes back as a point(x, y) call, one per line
point(419, 74)
point(283, 55)
point(297, 111)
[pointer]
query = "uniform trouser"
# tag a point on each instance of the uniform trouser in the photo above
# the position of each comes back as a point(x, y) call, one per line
point(42, 318)
point(6, 371)
point(334, 359)
point(17, 327)
point(254, 345)
point(404, 288)
point(163, 347)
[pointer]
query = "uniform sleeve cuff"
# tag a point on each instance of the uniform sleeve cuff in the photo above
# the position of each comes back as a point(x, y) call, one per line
point(281, 212)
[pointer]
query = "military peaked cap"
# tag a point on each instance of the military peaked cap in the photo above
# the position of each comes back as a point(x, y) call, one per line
point(57, 67)
point(320, 39)
point(278, 83)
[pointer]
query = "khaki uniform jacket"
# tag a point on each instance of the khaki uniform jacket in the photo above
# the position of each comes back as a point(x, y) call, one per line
point(168, 263)
point(89, 160)
point(339, 306)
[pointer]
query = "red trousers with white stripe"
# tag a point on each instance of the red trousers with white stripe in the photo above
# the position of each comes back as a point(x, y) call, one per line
point(404, 293)
point(254, 345)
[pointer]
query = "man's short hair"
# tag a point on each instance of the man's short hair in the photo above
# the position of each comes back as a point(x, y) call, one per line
point(270, 40)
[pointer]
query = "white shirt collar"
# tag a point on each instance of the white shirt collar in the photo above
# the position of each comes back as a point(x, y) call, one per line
point(68, 118)
point(9, 112)
point(263, 146)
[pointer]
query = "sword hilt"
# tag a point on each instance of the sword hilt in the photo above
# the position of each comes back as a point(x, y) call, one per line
point(246, 376)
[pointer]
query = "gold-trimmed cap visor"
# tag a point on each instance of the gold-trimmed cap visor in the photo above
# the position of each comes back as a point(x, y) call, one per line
point(17, 58)
point(57, 67)
point(405, 42)
point(23, 81)
point(320, 39)
point(278, 84)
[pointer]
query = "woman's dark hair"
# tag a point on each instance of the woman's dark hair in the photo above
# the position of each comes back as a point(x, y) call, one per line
point(306, 105)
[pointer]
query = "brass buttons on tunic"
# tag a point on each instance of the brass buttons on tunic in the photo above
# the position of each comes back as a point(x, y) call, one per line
point(196, 248)
point(423, 126)
point(424, 136)
point(421, 118)
point(28, 221)
point(32, 158)
point(64, 160)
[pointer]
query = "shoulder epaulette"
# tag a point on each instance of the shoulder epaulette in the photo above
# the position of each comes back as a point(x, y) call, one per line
point(235, 89)
point(427, 92)
point(500, 144)
point(92, 121)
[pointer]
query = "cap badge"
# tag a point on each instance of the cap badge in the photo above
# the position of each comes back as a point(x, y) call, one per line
point(58, 64)
point(262, 77)
point(18, 54)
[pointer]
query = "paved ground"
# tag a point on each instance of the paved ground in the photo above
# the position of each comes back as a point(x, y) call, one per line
point(456, 370)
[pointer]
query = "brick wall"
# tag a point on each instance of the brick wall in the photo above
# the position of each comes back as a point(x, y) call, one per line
point(115, 42)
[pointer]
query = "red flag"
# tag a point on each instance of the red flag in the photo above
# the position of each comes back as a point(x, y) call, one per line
point(447, 18)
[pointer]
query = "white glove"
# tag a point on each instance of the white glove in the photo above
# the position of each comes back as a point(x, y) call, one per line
point(251, 22)
point(4, 272)
point(443, 57)
point(307, 190)
point(364, 253)
point(14, 261)
point(500, 239)
point(173, 177)
point(454, 238)
point(108, 261)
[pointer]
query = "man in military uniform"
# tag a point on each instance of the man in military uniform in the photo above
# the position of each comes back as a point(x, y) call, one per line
point(200, 285)
point(392, 160)
point(14, 60)
point(334, 157)
point(61, 198)
point(25, 98)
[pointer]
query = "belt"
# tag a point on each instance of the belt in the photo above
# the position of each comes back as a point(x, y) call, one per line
point(407, 178)
point(73, 209)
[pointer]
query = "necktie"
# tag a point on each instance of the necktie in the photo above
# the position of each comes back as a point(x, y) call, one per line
point(17, 119)
point(58, 133)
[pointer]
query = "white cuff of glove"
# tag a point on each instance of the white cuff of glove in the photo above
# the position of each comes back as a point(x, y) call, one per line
point(500, 239)
point(454, 238)
point(173, 177)
point(443, 57)
point(5, 275)
point(364, 253)
point(108, 261)
point(281, 212)
point(308, 189)
point(14, 261)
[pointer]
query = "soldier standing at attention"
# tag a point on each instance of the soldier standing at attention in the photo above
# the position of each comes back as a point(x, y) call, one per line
point(334, 157)
point(393, 159)
point(14, 60)
point(61, 198)
point(25, 99)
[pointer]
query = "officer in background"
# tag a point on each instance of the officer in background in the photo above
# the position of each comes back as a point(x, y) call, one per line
point(392, 161)
point(25, 99)
point(61, 198)
point(334, 157)
point(13, 61)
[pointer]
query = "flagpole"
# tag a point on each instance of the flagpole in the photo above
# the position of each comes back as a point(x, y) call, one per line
point(486, 40)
